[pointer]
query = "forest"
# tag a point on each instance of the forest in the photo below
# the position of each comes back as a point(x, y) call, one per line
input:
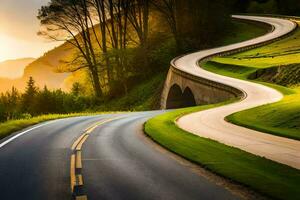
point(121, 43)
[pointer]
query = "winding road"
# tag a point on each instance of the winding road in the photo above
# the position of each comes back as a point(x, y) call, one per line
point(119, 162)
point(109, 157)
point(211, 123)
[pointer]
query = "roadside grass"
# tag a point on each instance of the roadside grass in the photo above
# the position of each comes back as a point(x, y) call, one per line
point(242, 72)
point(239, 31)
point(143, 97)
point(9, 127)
point(265, 176)
point(281, 118)
point(282, 52)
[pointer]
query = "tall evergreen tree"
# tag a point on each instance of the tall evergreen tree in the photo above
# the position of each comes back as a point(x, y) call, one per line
point(76, 89)
point(28, 98)
point(13, 100)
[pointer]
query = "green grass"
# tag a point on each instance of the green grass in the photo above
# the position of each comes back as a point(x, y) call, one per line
point(144, 96)
point(9, 127)
point(281, 118)
point(239, 31)
point(283, 52)
point(265, 176)
point(242, 72)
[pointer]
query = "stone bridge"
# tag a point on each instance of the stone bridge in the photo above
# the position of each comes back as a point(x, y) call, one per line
point(184, 90)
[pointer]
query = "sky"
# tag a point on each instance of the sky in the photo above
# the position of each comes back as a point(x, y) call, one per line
point(18, 30)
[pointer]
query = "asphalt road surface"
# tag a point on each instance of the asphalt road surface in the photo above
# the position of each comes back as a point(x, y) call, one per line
point(118, 163)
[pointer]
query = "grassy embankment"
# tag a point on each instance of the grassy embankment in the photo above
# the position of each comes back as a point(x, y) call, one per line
point(265, 176)
point(268, 177)
point(281, 118)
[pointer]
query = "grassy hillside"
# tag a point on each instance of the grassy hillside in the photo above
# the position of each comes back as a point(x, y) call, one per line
point(283, 52)
point(144, 96)
point(241, 31)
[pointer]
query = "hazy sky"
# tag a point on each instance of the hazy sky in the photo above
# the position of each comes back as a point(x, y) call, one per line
point(18, 28)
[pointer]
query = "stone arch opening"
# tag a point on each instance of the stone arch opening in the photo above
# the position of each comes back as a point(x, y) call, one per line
point(174, 99)
point(188, 98)
point(177, 99)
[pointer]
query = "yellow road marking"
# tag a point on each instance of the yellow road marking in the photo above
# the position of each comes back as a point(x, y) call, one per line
point(79, 180)
point(77, 142)
point(79, 146)
point(91, 129)
point(72, 172)
point(81, 197)
point(94, 126)
point(78, 160)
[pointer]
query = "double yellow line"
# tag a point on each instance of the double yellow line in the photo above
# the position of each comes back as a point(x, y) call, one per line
point(76, 161)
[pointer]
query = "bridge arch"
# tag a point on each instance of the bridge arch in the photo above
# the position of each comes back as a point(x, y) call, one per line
point(178, 99)
point(174, 99)
point(188, 98)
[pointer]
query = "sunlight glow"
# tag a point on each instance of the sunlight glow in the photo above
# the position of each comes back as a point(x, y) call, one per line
point(18, 28)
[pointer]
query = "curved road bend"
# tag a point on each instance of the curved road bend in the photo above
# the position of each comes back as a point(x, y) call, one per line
point(117, 164)
point(211, 123)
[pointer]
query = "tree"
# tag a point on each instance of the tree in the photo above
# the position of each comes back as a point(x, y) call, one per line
point(28, 98)
point(9, 103)
point(138, 17)
point(197, 27)
point(167, 8)
point(44, 103)
point(76, 89)
point(71, 21)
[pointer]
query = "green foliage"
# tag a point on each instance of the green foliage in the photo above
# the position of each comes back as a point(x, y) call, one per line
point(27, 101)
point(281, 53)
point(267, 7)
point(268, 177)
point(36, 102)
point(286, 75)
point(281, 118)
point(144, 96)
point(161, 56)
point(197, 27)
point(76, 89)
point(238, 31)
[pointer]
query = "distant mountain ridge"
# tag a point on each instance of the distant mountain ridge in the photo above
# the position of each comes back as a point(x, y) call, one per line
point(13, 69)
point(43, 70)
